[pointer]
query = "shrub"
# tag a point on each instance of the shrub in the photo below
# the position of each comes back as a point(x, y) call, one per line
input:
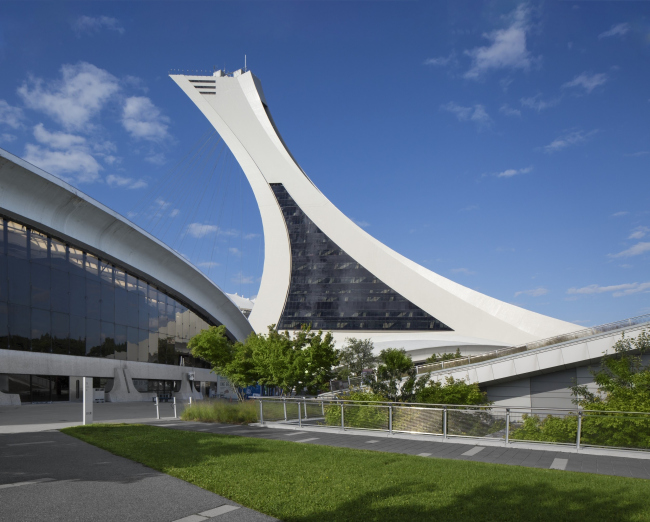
point(219, 411)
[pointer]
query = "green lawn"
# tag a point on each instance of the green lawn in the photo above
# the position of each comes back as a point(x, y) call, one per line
point(303, 482)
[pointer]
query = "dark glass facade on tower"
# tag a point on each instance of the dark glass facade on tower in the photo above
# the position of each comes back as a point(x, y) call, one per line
point(57, 298)
point(331, 291)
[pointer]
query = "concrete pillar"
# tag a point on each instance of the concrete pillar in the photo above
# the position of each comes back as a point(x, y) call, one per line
point(187, 390)
point(123, 389)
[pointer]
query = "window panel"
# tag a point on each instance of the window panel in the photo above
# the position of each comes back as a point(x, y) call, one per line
point(38, 248)
point(16, 240)
point(75, 260)
point(93, 296)
point(19, 326)
point(40, 287)
point(93, 338)
point(77, 295)
point(108, 303)
point(60, 333)
point(4, 281)
point(4, 326)
point(59, 255)
point(108, 340)
point(143, 345)
point(120, 342)
point(41, 331)
point(77, 335)
point(106, 272)
point(18, 270)
point(60, 295)
point(132, 344)
point(121, 306)
point(153, 347)
point(91, 265)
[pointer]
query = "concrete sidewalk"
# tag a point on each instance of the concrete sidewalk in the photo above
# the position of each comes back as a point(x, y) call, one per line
point(51, 476)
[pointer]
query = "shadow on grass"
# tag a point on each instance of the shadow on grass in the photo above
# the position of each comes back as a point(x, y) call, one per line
point(405, 502)
point(160, 449)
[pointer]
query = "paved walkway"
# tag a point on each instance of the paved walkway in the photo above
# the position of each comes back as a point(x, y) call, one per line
point(533, 458)
point(47, 475)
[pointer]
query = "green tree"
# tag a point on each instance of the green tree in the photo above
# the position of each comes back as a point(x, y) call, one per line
point(356, 356)
point(451, 392)
point(438, 357)
point(395, 364)
point(315, 358)
point(212, 346)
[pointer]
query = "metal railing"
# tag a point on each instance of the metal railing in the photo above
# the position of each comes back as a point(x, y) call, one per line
point(558, 339)
point(573, 427)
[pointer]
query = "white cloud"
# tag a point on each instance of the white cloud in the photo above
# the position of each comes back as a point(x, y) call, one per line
point(199, 230)
point(156, 159)
point(234, 251)
point(94, 24)
point(175, 212)
point(10, 116)
point(58, 140)
point(535, 292)
point(441, 61)
point(507, 48)
point(73, 165)
point(566, 140)
point(615, 290)
point(536, 103)
point(243, 279)
point(639, 232)
point(587, 81)
point(509, 111)
point(477, 113)
point(80, 94)
point(251, 236)
point(362, 224)
point(615, 30)
point(637, 154)
point(513, 172)
point(636, 250)
point(620, 214)
point(143, 120)
point(114, 180)
point(208, 264)
point(7, 138)
point(464, 271)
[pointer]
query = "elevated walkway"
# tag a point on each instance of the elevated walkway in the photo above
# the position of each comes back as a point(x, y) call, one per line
point(546, 355)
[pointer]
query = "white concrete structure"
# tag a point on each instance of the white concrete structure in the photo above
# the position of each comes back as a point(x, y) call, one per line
point(459, 317)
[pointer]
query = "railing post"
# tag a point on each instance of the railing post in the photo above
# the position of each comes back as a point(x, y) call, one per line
point(305, 403)
point(390, 419)
point(261, 413)
point(342, 419)
point(322, 408)
point(299, 416)
point(175, 416)
point(190, 401)
point(579, 430)
point(444, 423)
point(284, 404)
point(507, 425)
point(157, 409)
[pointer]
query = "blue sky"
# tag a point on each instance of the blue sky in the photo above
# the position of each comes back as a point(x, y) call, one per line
point(504, 145)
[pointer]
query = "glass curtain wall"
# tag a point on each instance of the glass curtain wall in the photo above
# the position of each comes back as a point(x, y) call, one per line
point(331, 291)
point(55, 298)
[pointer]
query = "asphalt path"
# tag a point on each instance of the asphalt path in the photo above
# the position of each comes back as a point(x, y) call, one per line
point(51, 476)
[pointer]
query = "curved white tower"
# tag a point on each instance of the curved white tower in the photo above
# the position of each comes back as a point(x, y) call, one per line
point(321, 268)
